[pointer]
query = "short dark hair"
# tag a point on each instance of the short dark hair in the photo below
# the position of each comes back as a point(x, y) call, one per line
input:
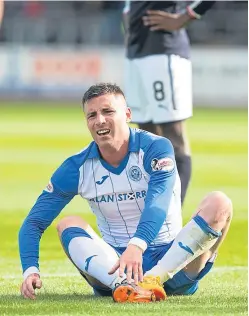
point(101, 89)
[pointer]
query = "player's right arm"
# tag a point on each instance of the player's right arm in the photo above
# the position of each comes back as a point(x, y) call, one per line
point(58, 193)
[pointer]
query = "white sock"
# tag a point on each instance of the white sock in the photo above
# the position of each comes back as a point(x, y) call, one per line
point(193, 240)
point(95, 258)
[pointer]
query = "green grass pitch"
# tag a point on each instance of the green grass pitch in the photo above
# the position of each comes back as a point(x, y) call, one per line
point(36, 139)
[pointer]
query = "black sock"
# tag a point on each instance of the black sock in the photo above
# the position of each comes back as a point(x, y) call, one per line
point(184, 165)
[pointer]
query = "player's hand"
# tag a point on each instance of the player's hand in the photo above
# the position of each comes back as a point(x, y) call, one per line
point(29, 285)
point(131, 260)
point(160, 20)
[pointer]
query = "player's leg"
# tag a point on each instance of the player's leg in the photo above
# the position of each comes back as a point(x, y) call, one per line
point(191, 255)
point(216, 209)
point(167, 86)
point(92, 256)
point(198, 241)
point(149, 127)
point(176, 133)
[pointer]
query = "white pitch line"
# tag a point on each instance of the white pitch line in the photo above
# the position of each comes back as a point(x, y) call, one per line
point(74, 274)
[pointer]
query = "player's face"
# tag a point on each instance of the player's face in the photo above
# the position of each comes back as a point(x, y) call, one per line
point(107, 118)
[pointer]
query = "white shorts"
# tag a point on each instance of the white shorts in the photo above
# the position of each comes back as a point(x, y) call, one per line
point(158, 88)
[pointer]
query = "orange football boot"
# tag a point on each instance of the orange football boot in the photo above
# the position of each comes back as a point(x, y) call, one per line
point(150, 290)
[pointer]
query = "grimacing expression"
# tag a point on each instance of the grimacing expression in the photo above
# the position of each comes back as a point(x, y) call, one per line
point(107, 116)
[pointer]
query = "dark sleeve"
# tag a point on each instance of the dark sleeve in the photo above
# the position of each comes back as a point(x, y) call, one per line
point(199, 8)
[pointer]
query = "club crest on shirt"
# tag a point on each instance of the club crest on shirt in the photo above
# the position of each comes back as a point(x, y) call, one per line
point(49, 188)
point(135, 173)
point(165, 164)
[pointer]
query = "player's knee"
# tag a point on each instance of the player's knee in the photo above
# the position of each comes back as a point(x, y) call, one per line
point(221, 203)
point(216, 207)
point(70, 221)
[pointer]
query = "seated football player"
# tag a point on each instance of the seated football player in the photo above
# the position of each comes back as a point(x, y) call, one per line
point(130, 180)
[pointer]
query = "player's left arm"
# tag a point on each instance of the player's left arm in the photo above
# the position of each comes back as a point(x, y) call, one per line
point(198, 8)
point(158, 20)
point(159, 162)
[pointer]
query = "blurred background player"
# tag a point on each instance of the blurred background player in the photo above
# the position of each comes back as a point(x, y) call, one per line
point(158, 69)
